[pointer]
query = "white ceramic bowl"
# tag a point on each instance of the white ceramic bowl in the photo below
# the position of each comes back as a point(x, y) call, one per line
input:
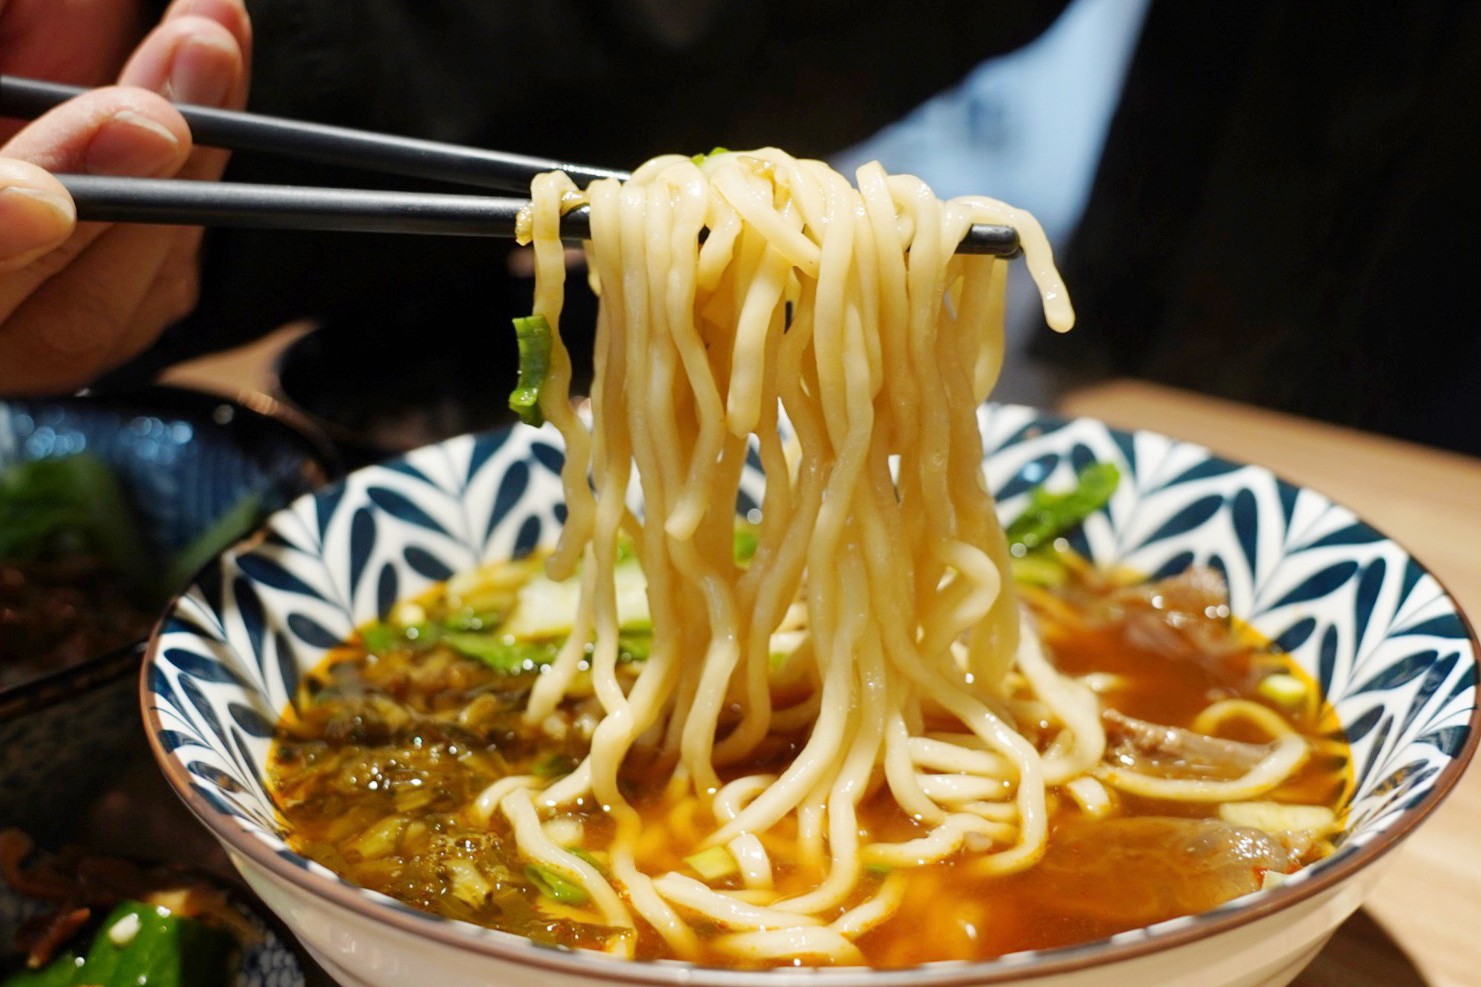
point(1379, 633)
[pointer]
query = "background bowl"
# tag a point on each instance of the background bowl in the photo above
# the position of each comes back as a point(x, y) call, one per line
point(1386, 643)
point(265, 956)
point(183, 459)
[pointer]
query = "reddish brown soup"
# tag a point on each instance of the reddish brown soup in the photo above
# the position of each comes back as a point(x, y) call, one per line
point(393, 736)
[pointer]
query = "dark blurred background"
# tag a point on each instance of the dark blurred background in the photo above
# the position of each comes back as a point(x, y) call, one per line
point(1265, 201)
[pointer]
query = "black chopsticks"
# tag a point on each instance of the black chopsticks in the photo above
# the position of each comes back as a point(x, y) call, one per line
point(293, 207)
point(141, 200)
point(107, 199)
point(386, 153)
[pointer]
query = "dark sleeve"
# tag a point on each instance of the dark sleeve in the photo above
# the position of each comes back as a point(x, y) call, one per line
point(611, 83)
point(1280, 211)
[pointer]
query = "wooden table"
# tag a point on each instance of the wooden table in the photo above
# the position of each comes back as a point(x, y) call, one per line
point(1423, 924)
point(1422, 927)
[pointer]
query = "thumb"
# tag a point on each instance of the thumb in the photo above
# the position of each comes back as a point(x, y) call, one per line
point(36, 213)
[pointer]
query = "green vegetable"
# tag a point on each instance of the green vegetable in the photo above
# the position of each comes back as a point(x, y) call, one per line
point(744, 542)
point(1050, 515)
point(555, 885)
point(553, 766)
point(74, 505)
point(70, 505)
point(380, 638)
point(700, 159)
point(546, 608)
point(535, 338)
point(1041, 568)
point(501, 652)
point(713, 863)
point(514, 656)
point(140, 945)
point(230, 525)
point(471, 620)
point(635, 646)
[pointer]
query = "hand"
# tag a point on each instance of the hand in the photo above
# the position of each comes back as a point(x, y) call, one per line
point(79, 299)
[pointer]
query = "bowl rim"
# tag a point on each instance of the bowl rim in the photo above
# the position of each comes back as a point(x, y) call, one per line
point(471, 939)
point(58, 685)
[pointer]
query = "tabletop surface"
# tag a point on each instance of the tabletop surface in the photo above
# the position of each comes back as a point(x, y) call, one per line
point(1420, 928)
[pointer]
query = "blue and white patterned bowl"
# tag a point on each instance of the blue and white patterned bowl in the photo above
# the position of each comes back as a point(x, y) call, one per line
point(1380, 634)
point(182, 459)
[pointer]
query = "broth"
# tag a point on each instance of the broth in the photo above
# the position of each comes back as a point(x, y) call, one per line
point(394, 736)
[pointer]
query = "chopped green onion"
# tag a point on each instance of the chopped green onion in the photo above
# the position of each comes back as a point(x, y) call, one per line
point(380, 638)
point(555, 886)
point(535, 339)
point(1049, 515)
point(229, 525)
point(553, 766)
point(500, 652)
point(472, 620)
point(1039, 569)
point(634, 647)
point(744, 543)
point(700, 159)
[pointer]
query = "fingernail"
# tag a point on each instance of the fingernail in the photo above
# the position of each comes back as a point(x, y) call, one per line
point(201, 72)
point(132, 144)
point(32, 222)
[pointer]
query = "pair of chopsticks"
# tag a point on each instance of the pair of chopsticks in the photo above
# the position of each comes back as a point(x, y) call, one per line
point(174, 202)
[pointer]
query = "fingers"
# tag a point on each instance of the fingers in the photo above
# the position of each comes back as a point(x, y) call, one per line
point(193, 57)
point(36, 214)
point(72, 288)
point(110, 131)
point(184, 58)
point(77, 41)
point(74, 306)
point(79, 298)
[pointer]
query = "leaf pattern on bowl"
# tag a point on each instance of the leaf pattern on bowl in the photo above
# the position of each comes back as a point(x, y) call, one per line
point(1377, 632)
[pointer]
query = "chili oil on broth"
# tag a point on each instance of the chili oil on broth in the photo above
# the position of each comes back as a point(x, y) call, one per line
point(379, 764)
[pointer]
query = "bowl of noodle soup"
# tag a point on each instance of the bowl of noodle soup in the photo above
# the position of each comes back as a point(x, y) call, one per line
point(833, 723)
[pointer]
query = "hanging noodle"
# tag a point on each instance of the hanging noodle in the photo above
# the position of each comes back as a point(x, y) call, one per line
point(738, 292)
point(864, 696)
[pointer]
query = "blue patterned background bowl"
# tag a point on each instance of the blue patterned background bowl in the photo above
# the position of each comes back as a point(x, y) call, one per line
point(183, 459)
point(1369, 623)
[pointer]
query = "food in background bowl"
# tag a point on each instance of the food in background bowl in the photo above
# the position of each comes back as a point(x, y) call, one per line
point(110, 503)
point(76, 578)
point(77, 917)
